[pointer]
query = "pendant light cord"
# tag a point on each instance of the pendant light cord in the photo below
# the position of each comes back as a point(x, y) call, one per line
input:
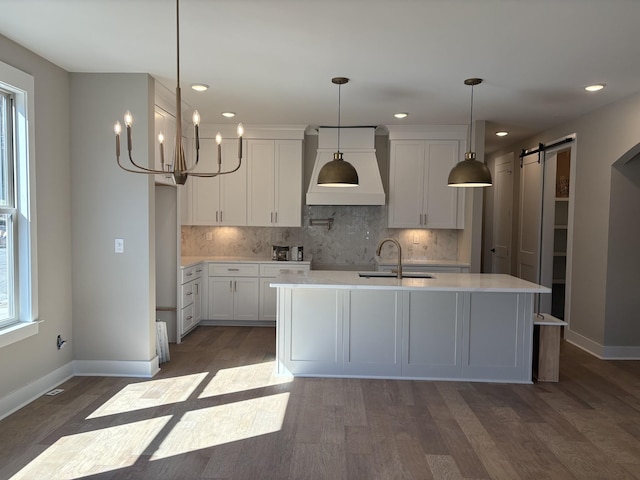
point(178, 41)
point(339, 102)
point(471, 121)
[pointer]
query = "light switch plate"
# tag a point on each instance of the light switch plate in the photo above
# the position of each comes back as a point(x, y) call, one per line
point(119, 245)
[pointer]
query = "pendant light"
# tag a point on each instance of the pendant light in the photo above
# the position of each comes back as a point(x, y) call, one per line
point(470, 172)
point(338, 172)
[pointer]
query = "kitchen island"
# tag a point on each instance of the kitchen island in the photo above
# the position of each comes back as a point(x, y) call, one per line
point(454, 326)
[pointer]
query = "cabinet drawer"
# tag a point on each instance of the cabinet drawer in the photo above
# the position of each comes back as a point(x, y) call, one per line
point(188, 293)
point(271, 270)
point(187, 318)
point(233, 270)
point(191, 273)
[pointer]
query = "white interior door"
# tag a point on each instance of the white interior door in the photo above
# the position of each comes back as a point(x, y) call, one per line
point(530, 218)
point(502, 214)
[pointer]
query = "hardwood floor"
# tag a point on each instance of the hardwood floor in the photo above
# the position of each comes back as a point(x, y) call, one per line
point(216, 411)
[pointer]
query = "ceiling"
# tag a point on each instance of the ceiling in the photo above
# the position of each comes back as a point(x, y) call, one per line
point(271, 61)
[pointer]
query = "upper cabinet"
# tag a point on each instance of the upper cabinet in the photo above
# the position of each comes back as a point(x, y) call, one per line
point(419, 165)
point(274, 180)
point(220, 200)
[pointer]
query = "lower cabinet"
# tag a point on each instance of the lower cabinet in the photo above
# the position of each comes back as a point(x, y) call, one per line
point(409, 334)
point(191, 298)
point(233, 298)
point(268, 295)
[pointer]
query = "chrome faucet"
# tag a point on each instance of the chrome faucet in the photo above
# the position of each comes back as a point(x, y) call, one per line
point(398, 272)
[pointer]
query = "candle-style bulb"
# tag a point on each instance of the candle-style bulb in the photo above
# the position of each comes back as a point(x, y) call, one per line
point(160, 138)
point(196, 117)
point(128, 118)
point(218, 138)
point(240, 130)
point(117, 128)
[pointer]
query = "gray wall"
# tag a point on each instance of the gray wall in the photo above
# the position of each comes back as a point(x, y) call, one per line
point(27, 361)
point(114, 294)
point(603, 136)
point(623, 264)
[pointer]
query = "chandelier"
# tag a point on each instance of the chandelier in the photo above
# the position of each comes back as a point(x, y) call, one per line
point(178, 169)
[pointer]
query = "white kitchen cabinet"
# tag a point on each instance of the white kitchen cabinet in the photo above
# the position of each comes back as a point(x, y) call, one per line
point(191, 298)
point(165, 124)
point(274, 177)
point(268, 295)
point(233, 292)
point(419, 196)
point(221, 200)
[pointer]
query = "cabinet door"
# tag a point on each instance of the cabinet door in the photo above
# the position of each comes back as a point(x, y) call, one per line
point(406, 184)
point(261, 180)
point(434, 346)
point(197, 300)
point(233, 186)
point(246, 298)
point(220, 298)
point(441, 200)
point(268, 300)
point(373, 333)
point(288, 179)
point(205, 192)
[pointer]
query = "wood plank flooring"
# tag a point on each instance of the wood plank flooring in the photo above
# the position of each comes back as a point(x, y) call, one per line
point(216, 411)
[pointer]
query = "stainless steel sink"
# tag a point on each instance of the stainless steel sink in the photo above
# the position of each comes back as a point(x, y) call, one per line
point(405, 274)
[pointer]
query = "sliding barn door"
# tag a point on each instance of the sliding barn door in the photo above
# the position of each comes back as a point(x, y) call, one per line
point(530, 218)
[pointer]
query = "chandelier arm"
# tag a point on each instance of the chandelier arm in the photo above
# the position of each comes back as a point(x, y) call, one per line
point(218, 172)
point(150, 170)
point(143, 170)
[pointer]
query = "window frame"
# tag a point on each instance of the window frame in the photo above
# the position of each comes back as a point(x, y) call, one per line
point(20, 86)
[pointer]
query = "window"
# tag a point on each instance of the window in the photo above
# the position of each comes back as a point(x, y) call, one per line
point(18, 290)
point(7, 212)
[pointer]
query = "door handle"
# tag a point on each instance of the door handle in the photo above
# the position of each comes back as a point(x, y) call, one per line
point(493, 250)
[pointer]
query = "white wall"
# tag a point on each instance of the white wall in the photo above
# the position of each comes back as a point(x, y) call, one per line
point(603, 136)
point(29, 360)
point(113, 294)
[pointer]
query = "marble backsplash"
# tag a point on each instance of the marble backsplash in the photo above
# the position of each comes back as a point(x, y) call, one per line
point(351, 240)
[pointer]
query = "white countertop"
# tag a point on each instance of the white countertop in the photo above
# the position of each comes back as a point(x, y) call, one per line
point(189, 261)
point(420, 262)
point(460, 282)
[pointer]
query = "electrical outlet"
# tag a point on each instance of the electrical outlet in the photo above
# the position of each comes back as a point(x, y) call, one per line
point(416, 238)
point(119, 245)
point(54, 392)
point(209, 236)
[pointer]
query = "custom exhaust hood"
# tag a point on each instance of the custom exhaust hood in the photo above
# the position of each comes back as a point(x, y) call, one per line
point(358, 146)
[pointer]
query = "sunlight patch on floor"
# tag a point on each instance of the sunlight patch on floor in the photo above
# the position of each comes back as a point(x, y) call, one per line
point(150, 394)
point(240, 379)
point(94, 452)
point(208, 427)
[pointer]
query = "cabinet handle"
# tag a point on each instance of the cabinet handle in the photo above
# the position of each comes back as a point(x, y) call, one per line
point(189, 294)
point(425, 219)
point(235, 286)
point(197, 287)
point(199, 270)
point(271, 221)
point(220, 216)
point(231, 285)
point(189, 274)
point(189, 317)
point(420, 219)
point(233, 269)
point(216, 216)
point(276, 217)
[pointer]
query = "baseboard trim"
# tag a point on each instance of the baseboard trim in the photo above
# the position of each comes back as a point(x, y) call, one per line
point(603, 352)
point(114, 368)
point(27, 394)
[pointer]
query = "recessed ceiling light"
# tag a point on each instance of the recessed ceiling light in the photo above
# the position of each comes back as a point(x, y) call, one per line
point(228, 114)
point(502, 133)
point(200, 87)
point(401, 115)
point(594, 88)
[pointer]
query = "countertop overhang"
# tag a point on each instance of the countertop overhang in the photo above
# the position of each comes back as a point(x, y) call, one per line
point(445, 282)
